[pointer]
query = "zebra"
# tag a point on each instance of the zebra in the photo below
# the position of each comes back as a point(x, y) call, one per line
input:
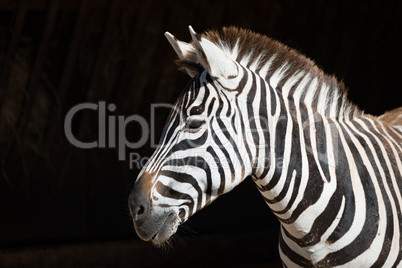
point(330, 173)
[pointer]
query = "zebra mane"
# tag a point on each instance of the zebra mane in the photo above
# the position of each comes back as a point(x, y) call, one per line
point(269, 58)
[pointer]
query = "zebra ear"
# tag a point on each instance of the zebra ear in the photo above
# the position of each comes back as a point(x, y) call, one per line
point(181, 48)
point(186, 53)
point(213, 59)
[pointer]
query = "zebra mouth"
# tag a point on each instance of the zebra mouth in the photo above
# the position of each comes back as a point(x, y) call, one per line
point(166, 230)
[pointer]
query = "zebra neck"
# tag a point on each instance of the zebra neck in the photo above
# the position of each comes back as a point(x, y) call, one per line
point(294, 150)
point(301, 107)
point(293, 107)
point(312, 91)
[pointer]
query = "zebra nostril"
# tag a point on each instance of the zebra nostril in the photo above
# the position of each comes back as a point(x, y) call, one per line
point(140, 211)
point(139, 200)
point(139, 207)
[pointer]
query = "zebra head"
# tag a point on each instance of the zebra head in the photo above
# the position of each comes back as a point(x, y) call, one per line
point(202, 152)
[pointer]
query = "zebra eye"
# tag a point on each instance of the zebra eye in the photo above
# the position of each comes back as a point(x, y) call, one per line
point(193, 125)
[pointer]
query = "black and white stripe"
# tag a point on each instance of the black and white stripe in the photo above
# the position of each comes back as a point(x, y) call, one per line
point(331, 174)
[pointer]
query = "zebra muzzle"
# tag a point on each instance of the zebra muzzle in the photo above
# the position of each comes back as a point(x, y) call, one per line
point(166, 230)
point(158, 227)
point(151, 222)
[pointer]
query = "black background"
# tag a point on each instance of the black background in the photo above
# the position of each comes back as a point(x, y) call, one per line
point(56, 54)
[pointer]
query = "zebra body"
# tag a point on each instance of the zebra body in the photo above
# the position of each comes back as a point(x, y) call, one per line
point(331, 174)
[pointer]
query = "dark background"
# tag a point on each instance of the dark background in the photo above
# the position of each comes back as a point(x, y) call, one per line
point(69, 202)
